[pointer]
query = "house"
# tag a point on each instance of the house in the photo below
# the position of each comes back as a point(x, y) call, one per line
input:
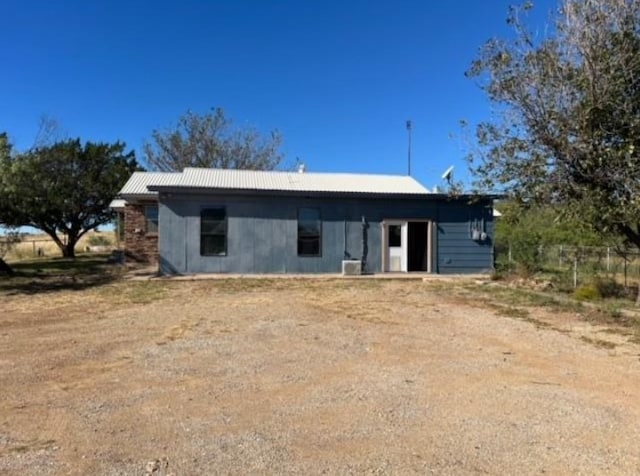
point(246, 221)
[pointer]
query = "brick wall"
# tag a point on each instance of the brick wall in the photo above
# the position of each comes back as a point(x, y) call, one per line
point(138, 244)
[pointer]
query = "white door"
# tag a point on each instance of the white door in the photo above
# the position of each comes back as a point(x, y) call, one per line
point(396, 240)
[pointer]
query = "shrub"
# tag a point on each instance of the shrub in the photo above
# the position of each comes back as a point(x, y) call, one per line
point(615, 312)
point(563, 281)
point(525, 251)
point(587, 292)
point(609, 287)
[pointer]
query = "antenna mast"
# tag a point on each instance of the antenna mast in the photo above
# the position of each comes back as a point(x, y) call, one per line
point(409, 150)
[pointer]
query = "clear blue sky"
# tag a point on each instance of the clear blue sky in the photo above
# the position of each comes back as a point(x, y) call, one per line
point(337, 78)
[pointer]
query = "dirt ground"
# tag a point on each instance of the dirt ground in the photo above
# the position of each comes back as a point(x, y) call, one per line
point(307, 377)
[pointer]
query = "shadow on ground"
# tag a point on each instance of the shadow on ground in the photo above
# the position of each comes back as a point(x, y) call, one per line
point(60, 274)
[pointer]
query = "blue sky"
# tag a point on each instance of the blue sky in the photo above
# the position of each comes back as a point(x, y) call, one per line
point(338, 79)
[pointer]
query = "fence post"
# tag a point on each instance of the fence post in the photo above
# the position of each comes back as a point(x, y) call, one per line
point(608, 259)
point(560, 257)
point(575, 272)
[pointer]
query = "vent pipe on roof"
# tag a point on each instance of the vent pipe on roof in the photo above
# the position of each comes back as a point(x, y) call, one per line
point(301, 168)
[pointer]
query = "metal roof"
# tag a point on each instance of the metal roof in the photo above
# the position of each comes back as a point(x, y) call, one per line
point(226, 179)
point(137, 184)
point(117, 204)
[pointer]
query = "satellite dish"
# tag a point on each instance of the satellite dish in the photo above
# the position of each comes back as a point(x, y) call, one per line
point(448, 174)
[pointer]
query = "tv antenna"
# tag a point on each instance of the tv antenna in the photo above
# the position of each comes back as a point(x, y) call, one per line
point(409, 124)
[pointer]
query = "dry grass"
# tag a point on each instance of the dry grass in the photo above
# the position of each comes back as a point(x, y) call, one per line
point(605, 344)
point(33, 246)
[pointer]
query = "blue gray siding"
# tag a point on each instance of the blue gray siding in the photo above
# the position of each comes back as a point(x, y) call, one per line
point(262, 233)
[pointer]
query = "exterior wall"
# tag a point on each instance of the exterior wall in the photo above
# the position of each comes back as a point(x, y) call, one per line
point(262, 233)
point(457, 251)
point(138, 244)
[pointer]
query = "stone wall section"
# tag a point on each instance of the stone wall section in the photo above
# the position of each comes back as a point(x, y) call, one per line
point(138, 244)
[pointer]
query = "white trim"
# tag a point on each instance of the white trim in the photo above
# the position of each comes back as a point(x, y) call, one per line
point(404, 222)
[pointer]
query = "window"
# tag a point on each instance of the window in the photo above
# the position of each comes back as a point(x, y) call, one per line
point(395, 235)
point(309, 230)
point(213, 232)
point(151, 218)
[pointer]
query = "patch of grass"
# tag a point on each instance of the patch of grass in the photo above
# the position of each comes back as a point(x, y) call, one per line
point(617, 331)
point(635, 339)
point(144, 292)
point(526, 297)
point(83, 264)
point(613, 310)
point(608, 312)
point(57, 274)
point(587, 292)
point(34, 445)
point(605, 344)
point(517, 312)
point(538, 323)
point(135, 292)
point(241, 285)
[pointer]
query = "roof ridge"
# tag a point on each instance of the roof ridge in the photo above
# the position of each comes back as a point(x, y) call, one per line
point(294, 172)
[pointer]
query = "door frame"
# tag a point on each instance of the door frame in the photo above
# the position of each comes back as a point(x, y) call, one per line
point(404, 222)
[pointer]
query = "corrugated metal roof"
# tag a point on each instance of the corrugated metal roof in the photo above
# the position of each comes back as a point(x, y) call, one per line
point(226, 179)
point(117, 204)
point(295, 182)
point(139, 181)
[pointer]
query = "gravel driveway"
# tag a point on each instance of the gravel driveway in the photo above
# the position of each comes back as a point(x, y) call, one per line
point(296, 376)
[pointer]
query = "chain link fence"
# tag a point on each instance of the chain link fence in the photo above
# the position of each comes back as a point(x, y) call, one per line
point(573, 265)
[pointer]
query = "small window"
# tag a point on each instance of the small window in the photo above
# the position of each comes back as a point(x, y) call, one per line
point(213, 232)
point(309, 230)
point(151, 218)
point(395, 235)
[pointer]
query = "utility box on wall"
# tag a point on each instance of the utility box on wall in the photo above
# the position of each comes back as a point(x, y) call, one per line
point(351, 267)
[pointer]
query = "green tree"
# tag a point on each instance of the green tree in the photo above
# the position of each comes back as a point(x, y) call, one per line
point(548, 223)
point(567, 123)
point(525, 228)
point(211, 140)
point(63, 188)
point(7, 238)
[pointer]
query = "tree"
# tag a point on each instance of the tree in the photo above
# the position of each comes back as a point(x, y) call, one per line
point(542, 222)
point(64, 188)
point(8, 238)
point(566, 128)
point(210, 140)
point(524, 228)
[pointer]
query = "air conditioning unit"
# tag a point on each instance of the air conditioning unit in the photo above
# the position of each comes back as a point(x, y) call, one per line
point(351, 268)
